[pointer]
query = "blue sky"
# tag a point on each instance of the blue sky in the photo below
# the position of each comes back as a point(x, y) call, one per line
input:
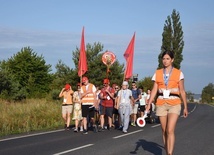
point(52, 28)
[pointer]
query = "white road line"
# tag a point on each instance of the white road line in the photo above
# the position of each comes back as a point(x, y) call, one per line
point(127, 134)
point(191, 110)
point(155, 125)
point(74, 149)
point(31, 135)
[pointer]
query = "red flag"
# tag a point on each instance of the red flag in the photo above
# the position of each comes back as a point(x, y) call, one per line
point(82, 66)
point(129, 55)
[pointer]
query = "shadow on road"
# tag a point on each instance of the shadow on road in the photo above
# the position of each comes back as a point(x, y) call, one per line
point(151, 147)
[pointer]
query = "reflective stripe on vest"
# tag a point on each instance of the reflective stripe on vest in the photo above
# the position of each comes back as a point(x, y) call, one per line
point(173, 86)
point(89, 98)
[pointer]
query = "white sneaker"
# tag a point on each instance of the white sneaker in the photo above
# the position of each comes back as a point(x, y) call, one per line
point(81, 128)
point(125, 131)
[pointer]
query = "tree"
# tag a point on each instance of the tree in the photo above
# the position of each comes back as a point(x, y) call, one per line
point(5, 85)
point(96, 69)
point(146, 83)
point(64, 74)
point(190, 96)
point(29, 73)
point(208, 93)
point(172, 39)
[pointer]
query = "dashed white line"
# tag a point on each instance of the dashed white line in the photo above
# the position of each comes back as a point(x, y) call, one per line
point(155, 125)
point(128, 134)
point(74, 149)
point(191, 110)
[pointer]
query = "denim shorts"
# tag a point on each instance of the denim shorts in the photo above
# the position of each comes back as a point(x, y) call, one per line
point(108, 111)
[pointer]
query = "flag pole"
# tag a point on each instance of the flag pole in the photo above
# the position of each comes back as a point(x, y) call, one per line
point(81, 74)
point(125, 72)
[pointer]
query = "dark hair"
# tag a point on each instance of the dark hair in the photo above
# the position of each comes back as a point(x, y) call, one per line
point(170, 53)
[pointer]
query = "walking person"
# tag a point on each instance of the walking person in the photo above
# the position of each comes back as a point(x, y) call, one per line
point(106, 109)
point(88, 99)
point(124, 106)
point(152, 107)
point(169, 83)
point(143, 102)
point(115, 116)
point(67, 105)
point(137, 96)
point(77, 114)
point(97, 108)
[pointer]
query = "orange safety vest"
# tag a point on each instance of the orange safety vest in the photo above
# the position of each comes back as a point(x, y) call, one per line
point(173, 86)
point(89, 98)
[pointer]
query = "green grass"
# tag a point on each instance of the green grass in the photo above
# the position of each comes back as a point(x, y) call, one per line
point(30, 115)
point(212, 103)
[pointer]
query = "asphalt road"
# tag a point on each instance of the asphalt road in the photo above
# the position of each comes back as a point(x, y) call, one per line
point(194, 136)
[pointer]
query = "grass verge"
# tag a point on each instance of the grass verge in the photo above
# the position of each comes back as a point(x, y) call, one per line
point(30, 115)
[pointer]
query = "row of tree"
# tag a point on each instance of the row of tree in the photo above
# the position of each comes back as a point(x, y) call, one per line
point(207, 95)
point(26, 75)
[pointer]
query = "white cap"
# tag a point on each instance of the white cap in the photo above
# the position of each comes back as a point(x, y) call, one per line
point(125, 83)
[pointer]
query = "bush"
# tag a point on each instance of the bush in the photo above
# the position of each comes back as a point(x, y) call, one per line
point(55, 94)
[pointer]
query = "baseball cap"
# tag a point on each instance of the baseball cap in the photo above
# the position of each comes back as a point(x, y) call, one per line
point(67, 86)
point(106, 81)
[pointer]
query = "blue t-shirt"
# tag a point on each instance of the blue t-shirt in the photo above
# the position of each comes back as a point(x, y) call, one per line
point(135, 93)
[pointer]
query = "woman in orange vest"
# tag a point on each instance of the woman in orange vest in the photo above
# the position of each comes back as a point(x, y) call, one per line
point(169, 86)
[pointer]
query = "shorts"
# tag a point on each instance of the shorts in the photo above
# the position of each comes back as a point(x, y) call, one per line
point(108, 111)
point(163, 110)
point(77, 114)
point(115, 111)
point(67, 109)
point(142, 108)
point(134, 109)
point(87, 111)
